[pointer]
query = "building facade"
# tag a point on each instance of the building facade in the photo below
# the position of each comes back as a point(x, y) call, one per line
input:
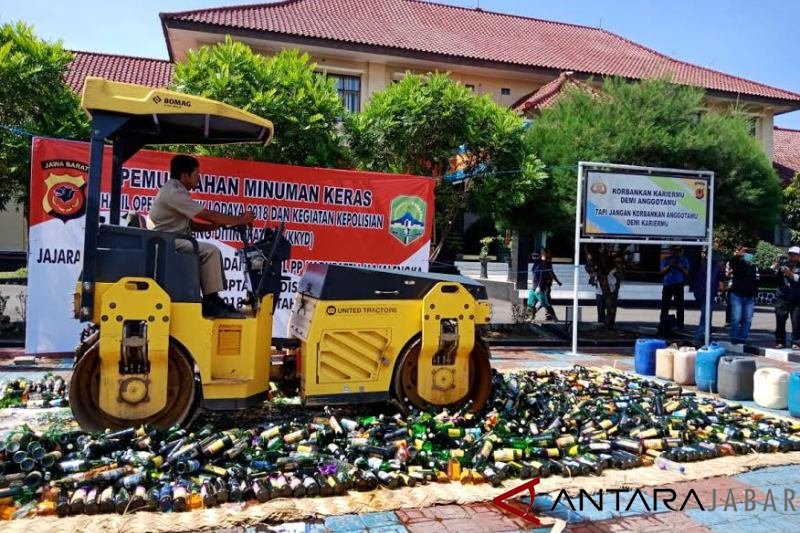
point(368, 44)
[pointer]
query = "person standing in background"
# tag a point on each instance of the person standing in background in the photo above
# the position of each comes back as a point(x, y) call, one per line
point(787, 301)
point(675, 274)
point(594, 273)
point(742, 293)
point(547, 257)
point(533, 295)
point(699, 291)
point(541, 272)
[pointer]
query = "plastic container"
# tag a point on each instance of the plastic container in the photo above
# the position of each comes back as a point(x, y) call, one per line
point(705, 367)
point(683, 366)
point(794, 394)
point(735, 378)
point(665, 358)
point(645, 355)
point(771, 388)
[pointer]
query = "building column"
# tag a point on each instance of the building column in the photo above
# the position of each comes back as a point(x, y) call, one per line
point(520, 257)
point(376, 81)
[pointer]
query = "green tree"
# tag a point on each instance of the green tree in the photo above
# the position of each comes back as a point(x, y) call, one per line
point(655, 123)
point(791, 207)
point(766, 255)
point(419, 124)
point(33, 100)
point(285, 88)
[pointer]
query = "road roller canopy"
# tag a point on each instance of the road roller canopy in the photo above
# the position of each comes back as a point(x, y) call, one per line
point(160, 116)
point(131, 117)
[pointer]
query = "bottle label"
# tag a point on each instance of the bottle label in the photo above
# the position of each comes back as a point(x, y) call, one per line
point(566, 440)
point(269, 433)
point(295, 436)
point(505, 455)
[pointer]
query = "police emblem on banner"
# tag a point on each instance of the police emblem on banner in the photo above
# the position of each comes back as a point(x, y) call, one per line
point(64, 197)
point(700, 189)
point(407, 218)
point(598, 187)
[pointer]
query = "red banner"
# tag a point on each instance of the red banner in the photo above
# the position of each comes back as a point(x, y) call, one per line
point(337, 216)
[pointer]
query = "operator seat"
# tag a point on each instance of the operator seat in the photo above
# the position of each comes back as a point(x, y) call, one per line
point(131, 251)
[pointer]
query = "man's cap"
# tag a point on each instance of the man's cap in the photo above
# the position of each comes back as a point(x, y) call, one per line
point(794, 250)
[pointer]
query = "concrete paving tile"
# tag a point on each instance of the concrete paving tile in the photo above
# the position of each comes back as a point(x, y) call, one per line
point(397, 528)
point(543, 506)
point(780, 475)
point(619, 525)
point(344, 523)
point(609, 526)
point(586, 527)
point(405, 516)
point(501, 519)
point(645, 524)
point(710, 519)
point(473, 525)
point(513, 521)
point(523, 524)
point(429, 526)
point(478, 508)
point(787, 524)
point(677, 521)
point(524, 530)
point(446, 512)
point(747, 525)
point(374, 520)
point(591, 514)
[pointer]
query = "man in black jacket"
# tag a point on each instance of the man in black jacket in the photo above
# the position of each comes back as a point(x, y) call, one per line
point(787, 301)
point(743, 290)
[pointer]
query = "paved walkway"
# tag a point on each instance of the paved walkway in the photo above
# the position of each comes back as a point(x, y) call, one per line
point(753, 502)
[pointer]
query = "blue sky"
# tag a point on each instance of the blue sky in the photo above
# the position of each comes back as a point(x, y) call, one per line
point(752, 39)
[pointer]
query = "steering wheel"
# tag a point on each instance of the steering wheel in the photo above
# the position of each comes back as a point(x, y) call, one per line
point(276, 240)
point(245, 232)
point(268, 261)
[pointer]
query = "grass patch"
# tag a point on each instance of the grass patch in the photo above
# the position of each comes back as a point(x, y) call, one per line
point(19, 273)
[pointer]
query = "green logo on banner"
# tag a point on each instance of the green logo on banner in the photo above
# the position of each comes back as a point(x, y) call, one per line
point(407, 218)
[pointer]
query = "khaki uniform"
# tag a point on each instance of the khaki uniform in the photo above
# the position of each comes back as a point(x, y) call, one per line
point(172, 211)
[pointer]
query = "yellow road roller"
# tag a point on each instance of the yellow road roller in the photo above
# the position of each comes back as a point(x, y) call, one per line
point(148, 355)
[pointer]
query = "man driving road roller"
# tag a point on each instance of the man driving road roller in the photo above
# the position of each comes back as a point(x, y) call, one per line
point(174, 210)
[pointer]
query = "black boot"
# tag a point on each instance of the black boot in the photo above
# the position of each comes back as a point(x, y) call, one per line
point(215, 307)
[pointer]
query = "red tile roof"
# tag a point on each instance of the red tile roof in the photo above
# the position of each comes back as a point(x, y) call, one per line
point(786, 152)
point(141, 70)
point(547, 94)
point(414, 25)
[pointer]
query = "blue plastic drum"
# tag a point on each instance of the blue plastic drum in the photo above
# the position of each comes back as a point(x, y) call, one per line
point(645, 355)
point(794, 394)
point(705, 367)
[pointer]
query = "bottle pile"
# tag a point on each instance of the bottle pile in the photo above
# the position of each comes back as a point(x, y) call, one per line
point(50, 391)
point(568, 422)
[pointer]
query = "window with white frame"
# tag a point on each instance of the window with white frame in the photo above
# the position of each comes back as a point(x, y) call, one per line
point(349, 89)
point(754, 125)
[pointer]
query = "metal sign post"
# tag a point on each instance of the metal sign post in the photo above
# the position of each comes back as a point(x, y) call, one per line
point(626, 204)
